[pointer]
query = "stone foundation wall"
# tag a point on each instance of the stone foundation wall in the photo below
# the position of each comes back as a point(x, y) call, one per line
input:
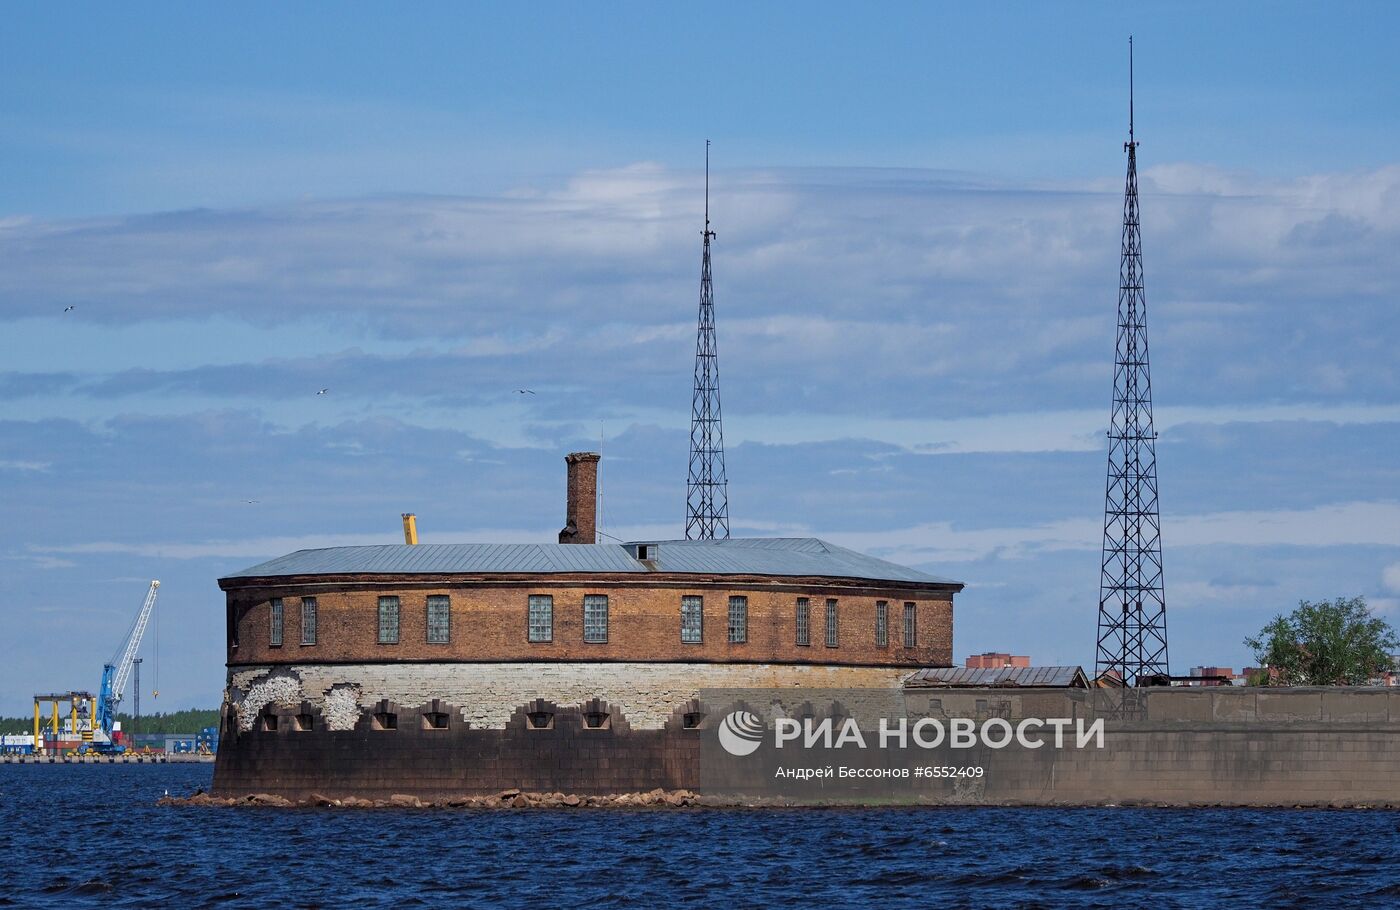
point(1313, 747)
point(369, 762)
point(487, 694)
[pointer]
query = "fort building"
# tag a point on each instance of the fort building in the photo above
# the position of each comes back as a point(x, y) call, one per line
point(480, 636)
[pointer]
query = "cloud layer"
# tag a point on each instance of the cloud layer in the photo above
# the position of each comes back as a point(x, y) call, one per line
point(914, 363)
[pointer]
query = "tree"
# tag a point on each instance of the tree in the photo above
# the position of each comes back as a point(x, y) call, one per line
point(1328, 643)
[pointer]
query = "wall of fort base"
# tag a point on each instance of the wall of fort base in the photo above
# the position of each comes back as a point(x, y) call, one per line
point(485, 695)
point(1276, 748)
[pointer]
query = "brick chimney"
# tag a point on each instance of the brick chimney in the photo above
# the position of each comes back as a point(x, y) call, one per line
point(581, 515)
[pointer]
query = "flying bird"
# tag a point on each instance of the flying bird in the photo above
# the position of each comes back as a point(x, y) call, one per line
point(323, 391)
point(252, 502)
point(524, 391)
point(69, 307)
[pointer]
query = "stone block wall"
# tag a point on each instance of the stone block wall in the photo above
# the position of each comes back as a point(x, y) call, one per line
point(487, 694)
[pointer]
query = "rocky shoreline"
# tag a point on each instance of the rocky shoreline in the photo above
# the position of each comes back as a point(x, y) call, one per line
point(506, 799)
point(665, 799)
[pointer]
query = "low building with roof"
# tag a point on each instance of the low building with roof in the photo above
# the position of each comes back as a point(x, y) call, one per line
point(1068, 677)
point(357, 641)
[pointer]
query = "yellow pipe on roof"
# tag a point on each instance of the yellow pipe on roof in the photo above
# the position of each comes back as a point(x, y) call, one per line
point(410, 528)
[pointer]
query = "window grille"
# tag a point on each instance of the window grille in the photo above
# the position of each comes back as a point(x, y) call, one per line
point(439, 619)
point(274, 635)
point(738, 620)
point(308, 620)
point(595, 618)
point(541, 622)
point(692, 619)
point(388, 620)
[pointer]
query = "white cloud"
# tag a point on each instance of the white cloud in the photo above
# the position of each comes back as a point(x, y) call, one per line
point(1341, 524)
point(268, 547)
point(1390, 577)
point(1037, 431)
point(6, 465)
point(44, 562)
point(905, 297)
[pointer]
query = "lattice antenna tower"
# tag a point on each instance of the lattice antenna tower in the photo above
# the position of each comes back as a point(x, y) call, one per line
point(1132, 634)
point(707, 489)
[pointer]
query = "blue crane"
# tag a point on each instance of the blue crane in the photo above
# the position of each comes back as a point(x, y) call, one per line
point(116, 673)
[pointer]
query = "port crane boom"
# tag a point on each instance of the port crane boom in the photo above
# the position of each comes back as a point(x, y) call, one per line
point(116, 673)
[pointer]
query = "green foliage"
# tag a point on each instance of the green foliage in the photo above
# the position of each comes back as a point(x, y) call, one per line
point(16, 725)
point(1257, 678)
point(191, 721)
point(1328, 643)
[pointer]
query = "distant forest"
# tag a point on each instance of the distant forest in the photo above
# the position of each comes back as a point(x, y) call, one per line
point(175, 722)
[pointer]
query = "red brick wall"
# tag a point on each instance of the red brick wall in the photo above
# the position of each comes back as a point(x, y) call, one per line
point(581, 499)
point(488, 621)
point(992, 660)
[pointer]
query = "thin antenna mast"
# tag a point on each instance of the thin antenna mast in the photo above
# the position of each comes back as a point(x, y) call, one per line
point(707, 186)
point(598, 482)
point(1132, 639)
point(1131, 140)
point(707, 488)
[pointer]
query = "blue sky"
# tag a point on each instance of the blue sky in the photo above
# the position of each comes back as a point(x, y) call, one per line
point(915, 276)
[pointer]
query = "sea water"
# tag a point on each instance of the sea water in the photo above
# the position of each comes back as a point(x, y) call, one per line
point(92, 835)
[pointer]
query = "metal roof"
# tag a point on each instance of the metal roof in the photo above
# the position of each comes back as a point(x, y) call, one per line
point(978, 678)
point(783, 556)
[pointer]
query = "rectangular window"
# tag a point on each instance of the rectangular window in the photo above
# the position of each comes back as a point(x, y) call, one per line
point(541, 627)
point(911, 627)
point(738, 620)
point(595, 618)
point(804, 621)
point(692, 619)
point(308, 620)
point(439, 619)
point(831, 623)
point(388, 620)
point(274, 635)
point(882, 624)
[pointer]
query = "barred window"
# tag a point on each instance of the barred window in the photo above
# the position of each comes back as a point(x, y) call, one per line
point(882, 624)
point(274, 634)
point(541, 623)
point(911, 628)
point(595, 618)
point(692, 619)
point(308, 620)
point(738, 620)
point(831, 619)
point(439, 619)
point(804, 621)
point(388, 620)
